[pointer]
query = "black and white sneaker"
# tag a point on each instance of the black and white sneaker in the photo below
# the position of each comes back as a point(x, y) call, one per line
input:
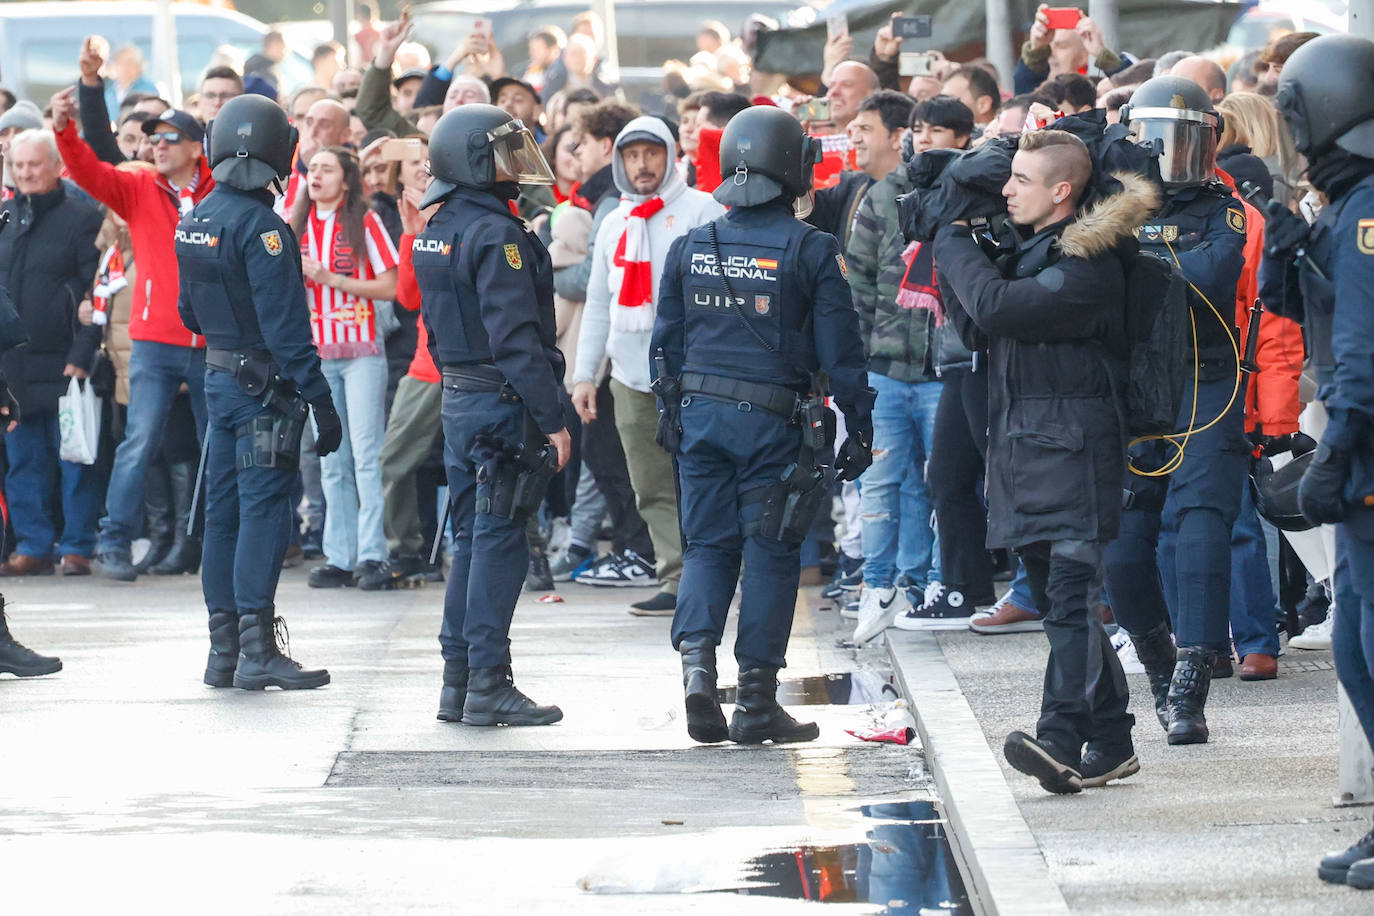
point(626, 569)
point(849, 577)
point(942, 609)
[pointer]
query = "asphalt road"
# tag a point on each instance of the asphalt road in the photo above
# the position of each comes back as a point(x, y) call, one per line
point(125, 781)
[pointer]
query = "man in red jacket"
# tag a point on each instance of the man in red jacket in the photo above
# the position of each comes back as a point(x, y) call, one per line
point(165, 354)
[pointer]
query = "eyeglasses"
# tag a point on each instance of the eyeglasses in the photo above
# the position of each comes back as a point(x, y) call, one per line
point(168, 136)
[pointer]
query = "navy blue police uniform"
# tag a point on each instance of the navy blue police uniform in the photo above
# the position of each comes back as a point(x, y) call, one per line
point(242, 288)
point(740, 388)
point(1203, 231)
point(486, 284)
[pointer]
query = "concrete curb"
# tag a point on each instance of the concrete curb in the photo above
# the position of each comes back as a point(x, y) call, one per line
point(1003, 868)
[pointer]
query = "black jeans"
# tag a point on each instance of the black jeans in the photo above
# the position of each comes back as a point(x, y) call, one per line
point(953, 474)
point(1085, 694)
point(603, 454)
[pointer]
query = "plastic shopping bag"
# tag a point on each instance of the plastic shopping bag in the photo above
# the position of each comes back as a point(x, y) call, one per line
point(78, 420)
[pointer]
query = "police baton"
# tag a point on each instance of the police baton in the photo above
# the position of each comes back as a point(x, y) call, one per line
point(1248, 364)
point(200, 479)
point(439, 532)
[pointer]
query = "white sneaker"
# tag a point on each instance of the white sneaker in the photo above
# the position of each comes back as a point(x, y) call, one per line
point(1316, 637)
point(1125, 651)
point(878, 607)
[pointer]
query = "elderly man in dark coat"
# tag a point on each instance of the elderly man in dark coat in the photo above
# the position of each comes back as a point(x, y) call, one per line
point(1053, 313)
point(47, 259)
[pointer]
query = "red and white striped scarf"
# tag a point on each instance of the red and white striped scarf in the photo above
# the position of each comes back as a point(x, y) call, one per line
point(109, 280)
point(634, 254)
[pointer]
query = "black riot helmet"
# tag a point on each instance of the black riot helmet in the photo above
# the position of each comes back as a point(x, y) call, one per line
point(1276, 492)
point(1177, 116)
point(764, 155)
point(1324, 94)
point(251, 143)
point(471, 143)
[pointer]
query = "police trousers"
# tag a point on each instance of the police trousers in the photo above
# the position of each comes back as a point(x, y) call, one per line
point(1085, 694)
point(1203, 498)
point(490, 554)
point(727, 450)
point(1352, 635)
point(247, 509)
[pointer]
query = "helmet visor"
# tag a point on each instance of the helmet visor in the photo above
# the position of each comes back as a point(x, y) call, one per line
point(1188, 149)
point(517, 155)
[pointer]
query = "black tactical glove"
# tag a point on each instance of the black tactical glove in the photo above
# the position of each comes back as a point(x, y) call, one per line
point(1284, 231)
point(328, 426)
point(9, 407)
point(1321, 492)
point(854, 457)
point(669, 432)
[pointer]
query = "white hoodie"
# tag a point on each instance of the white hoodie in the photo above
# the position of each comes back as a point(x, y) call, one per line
point(629, 350)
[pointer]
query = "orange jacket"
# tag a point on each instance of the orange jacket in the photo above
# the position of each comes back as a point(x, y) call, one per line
point(1271, 396)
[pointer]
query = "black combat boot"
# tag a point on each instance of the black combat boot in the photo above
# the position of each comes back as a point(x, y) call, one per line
point(18, 659)
point(1188, 695)
point(759, 718)
point(1155, 649)
point(224, 649)
point(705, 721)
point(261, 663)
point(493, 699)
point(159, 515)
point(184, 557)
point(454, 692)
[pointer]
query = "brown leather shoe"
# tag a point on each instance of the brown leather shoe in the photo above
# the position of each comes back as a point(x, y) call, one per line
point(74, 564)
point(294, 557)
point(24, 565)
point(1006, 616)
point(1256, 667)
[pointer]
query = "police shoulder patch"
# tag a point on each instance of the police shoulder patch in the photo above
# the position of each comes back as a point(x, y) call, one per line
point(513, 257)
point(1236, 219)
point(272, 242)
point(844, 268)
point(1364, 236)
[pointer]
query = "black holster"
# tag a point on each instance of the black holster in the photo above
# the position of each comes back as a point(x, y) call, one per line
point(275, 437)
point(789, 508)
point(514, 483)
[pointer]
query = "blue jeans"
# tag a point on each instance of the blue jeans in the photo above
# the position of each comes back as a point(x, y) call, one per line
point(247, 509)
point(352, 476)
point(1254, 622)
point(33, 450)
point(156, 373)
point(895, 505)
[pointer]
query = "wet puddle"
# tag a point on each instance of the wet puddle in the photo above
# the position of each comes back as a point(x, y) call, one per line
point(906, 866)
point(853, 689)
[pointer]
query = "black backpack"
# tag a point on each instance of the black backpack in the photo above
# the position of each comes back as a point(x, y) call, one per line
point(1160, 339)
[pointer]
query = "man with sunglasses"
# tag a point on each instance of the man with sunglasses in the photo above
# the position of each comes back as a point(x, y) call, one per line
point(165, 354)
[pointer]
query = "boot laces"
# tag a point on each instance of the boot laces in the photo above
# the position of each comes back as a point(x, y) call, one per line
point(282, 637)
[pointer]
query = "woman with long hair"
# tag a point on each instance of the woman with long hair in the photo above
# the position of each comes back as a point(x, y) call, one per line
point(349, 262)
point(558, 149)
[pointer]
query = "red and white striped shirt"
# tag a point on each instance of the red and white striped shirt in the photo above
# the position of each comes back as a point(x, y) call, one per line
point(344, 325)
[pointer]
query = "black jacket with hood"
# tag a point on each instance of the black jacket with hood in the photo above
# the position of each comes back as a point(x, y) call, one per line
point(1053, 310)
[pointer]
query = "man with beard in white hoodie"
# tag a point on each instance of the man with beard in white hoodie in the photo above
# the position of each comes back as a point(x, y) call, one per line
point(656, 207)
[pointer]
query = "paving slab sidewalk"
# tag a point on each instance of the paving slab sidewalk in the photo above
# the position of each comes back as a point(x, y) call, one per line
point(1233, 826)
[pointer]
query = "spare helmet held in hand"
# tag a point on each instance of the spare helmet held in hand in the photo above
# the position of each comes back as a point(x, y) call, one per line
point(1177, 116)
point(251, 143)
point(765, 155)
point(477, 146)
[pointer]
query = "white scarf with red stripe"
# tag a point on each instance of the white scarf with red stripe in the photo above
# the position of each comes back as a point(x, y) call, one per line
point(109, 280)
point(634, 310)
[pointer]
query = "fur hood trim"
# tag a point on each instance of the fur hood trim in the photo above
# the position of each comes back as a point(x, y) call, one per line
point(1112, 219)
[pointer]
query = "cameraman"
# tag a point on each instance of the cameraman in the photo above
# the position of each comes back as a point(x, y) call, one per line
point(1053, 308)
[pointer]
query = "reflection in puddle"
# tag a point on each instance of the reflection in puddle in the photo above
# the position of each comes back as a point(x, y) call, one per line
point(905, 867)
point(854, 689)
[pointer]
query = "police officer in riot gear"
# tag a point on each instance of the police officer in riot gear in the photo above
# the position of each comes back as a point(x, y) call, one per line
point(241, 287)
point(1201, 228)
point(487, 288)
point(752, 309)
point(1323, 94)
